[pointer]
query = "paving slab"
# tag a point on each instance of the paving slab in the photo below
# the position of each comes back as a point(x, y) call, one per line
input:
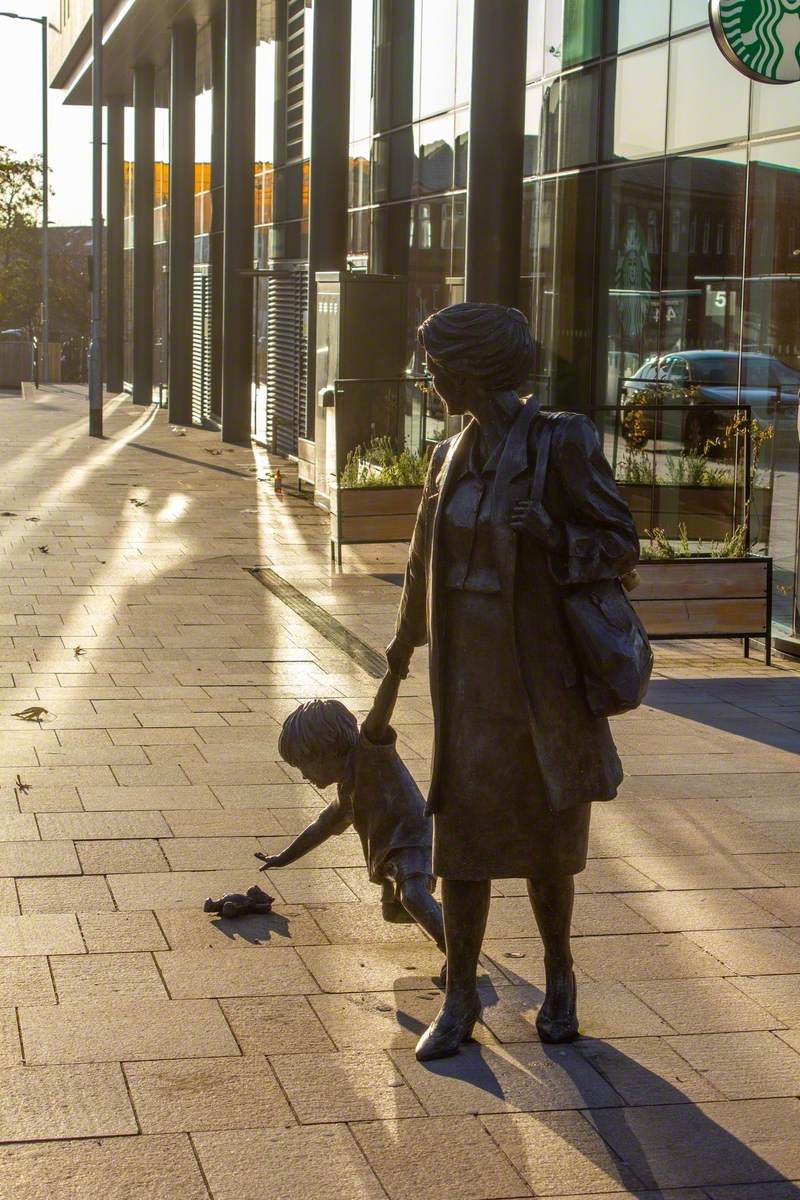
point(743, 1066)
point(559, 1153)
point(751, 951)
point(106, 932)
point(373, 968)
point(114, 1030)
point(452, 1158)
point(310, 1162)
point(194, 1095)
point(129, 976)
point(119, 1168)
point(250, 971)
point(39, 933)
point(276, 1025)
point(688, 1145)
point(711, 909)
point(350, 1085)
point(83, 893)
point(51, 1102)
point(513, 1078)
point(704, 1005)
point(25, 981)
point(604, 1010)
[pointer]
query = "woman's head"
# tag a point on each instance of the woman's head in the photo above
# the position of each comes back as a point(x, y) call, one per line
point(486, 345)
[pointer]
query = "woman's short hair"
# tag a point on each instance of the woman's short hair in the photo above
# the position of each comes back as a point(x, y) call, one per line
point(317, 728)
point(488, 342)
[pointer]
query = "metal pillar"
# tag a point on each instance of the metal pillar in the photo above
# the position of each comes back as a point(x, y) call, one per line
point(216, 239)
point(143, 229)
point(181, 220)
point(96, 342)
point(496, 145)
point(237, 315)
point(330, 138)
point(44, 369)
point(115, 247)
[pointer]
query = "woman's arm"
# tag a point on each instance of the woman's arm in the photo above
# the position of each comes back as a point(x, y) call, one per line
point(412, 626)
point(598, 539)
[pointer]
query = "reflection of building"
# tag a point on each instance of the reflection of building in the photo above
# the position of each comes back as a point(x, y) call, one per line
point(654, 191)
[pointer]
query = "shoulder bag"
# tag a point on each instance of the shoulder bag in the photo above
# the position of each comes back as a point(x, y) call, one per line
point(609, 640)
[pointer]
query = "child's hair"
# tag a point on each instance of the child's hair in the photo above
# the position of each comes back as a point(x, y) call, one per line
point(318, 727)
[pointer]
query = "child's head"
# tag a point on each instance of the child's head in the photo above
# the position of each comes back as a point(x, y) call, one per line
point(317, 739)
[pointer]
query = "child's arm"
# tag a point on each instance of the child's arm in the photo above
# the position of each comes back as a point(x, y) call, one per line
point(380, 714)
point(330, 821)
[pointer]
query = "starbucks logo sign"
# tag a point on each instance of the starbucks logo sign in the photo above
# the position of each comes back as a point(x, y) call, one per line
point(761, 38)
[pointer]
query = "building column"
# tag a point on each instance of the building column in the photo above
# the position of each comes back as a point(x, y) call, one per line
point(181, 220)
point(143, 228)
point(215, 241)
point(496, 145)
point(115, 248)
point(329, 166)
point(237, 300)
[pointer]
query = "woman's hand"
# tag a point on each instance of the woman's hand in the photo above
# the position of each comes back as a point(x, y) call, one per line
point(532, 519)
point(398, 657)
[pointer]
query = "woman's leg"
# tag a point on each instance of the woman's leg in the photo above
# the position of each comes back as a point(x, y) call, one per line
point(553, 900)
point(465, 906)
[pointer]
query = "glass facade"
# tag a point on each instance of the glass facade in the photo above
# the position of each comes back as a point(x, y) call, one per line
point(409, 136)
point(661, 238)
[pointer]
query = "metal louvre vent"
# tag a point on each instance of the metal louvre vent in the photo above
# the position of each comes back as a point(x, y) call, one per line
point(295, 46)
point(201, 348)
point(288, 356)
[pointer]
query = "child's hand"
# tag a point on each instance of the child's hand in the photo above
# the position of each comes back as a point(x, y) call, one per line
point(270, 860)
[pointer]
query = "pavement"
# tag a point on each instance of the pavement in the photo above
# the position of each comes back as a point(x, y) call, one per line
point(149, 1051)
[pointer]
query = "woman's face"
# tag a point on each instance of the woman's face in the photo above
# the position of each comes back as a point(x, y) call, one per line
point(449, 388)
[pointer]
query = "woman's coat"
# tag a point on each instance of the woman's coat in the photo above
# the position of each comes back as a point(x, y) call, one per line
point(575, 751)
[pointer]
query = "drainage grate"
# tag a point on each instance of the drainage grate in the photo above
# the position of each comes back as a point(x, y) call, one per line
point(368, 659)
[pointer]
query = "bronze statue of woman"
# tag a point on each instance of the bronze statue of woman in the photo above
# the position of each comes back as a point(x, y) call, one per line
point(518, 757)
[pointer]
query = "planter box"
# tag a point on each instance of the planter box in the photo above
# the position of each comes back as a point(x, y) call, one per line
point(706, 598)
point(370, 515)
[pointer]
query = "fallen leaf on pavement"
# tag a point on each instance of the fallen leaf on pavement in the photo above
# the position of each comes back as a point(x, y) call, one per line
point(44, 549)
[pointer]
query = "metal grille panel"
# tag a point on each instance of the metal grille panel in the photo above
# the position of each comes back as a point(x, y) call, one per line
point(201, 348)
point(288, 357)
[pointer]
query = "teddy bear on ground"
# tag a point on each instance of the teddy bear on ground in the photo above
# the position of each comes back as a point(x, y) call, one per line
point(237, 904)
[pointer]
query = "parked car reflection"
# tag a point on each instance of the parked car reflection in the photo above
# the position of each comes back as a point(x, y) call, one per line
point(708, 381)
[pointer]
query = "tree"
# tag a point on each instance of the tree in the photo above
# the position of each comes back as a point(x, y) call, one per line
point(20, 241)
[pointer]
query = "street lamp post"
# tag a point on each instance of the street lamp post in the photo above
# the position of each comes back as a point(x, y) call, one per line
point(44, 363)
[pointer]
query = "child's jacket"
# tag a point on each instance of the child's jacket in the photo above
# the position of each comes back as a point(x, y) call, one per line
point(386, 808)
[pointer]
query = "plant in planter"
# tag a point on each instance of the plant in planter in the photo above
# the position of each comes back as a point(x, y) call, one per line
point(378, 495)
point(378, 464)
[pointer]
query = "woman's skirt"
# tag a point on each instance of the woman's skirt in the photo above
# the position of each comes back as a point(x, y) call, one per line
point(494, 821)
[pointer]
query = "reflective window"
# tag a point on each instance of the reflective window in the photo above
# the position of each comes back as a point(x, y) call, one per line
point(635, 104)
point(772, 328)
point(708, 101)
point(436, 155)
point(359, 193)
point(462, 148)
point(703, 254)
point(553, 36)
point(394, 64)
point(535, 55)
point(466, 9)
point(361, 70)
point(533, 125)
point(563, 290)
point(265, 103)
point(774, 108)
point(580, 118)
point(437, 55)
point(629, 249)
point(550, 117)
point(583, 31)
point(631, 23)
point(688, 13)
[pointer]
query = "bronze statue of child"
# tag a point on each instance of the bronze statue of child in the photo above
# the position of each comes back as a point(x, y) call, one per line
point(376, 794)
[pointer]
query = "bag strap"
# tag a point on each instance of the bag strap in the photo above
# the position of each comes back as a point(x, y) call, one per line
point(543, 443)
